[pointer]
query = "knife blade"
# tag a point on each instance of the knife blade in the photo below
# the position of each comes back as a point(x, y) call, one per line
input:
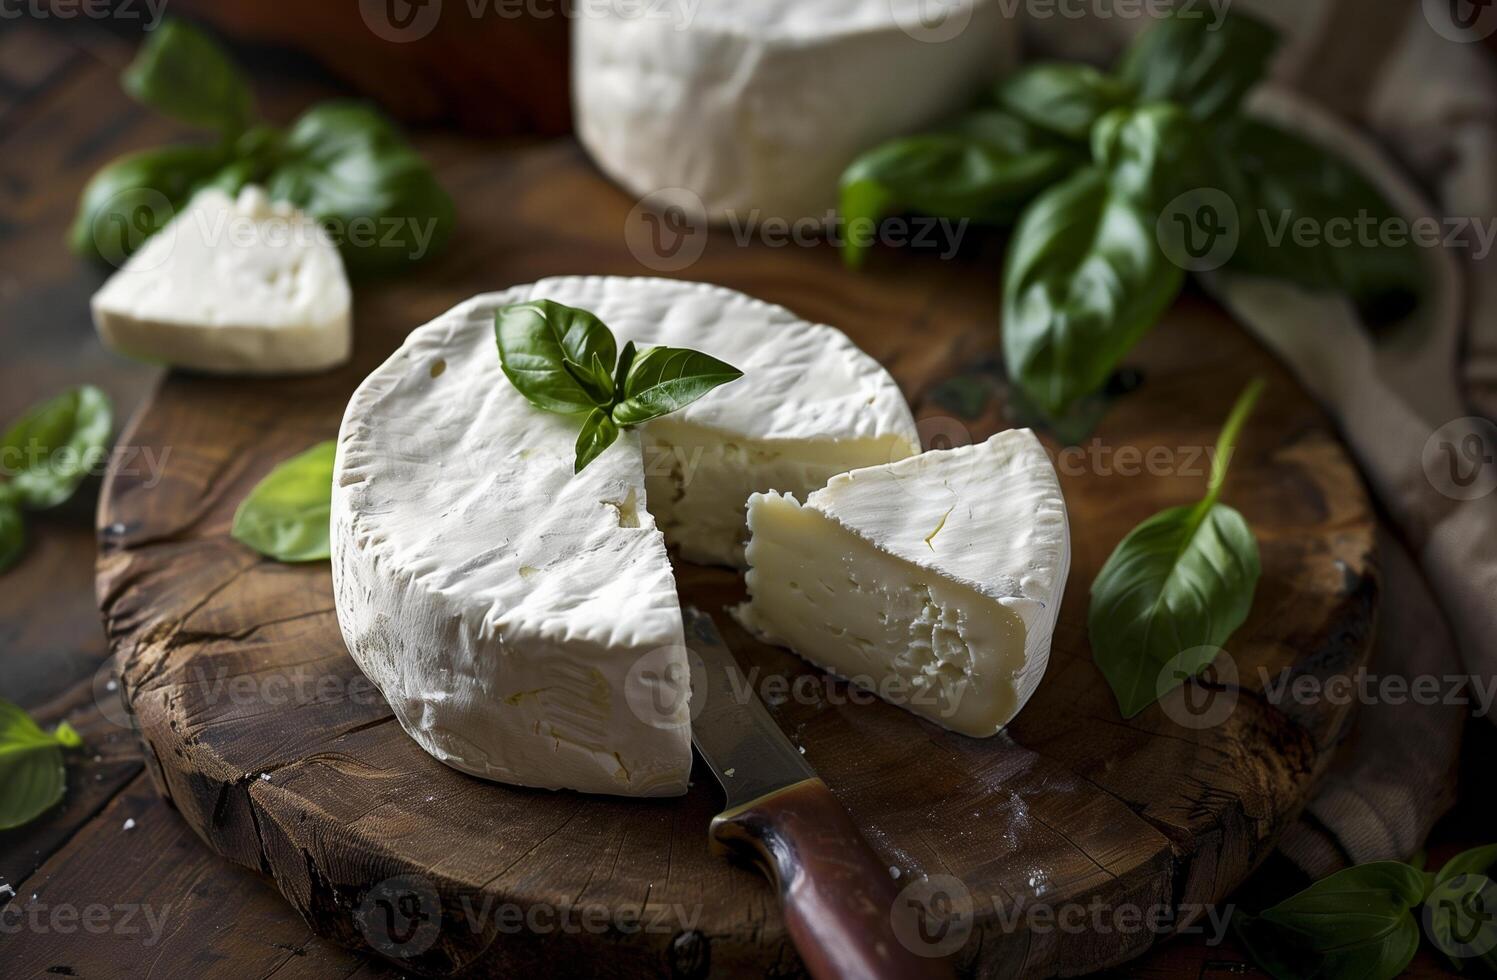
point(838, 899)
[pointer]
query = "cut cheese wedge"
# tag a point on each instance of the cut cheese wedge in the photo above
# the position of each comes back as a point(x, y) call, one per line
point(934, 581)
point(231, 286)
point(522, 620)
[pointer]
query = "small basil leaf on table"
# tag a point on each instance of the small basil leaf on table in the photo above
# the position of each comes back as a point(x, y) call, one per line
point(537, 338)
point(32, 777)
point(1476, 861)
point(1204, 65)
point(983, 168)
point(136, 196)
point(1357, 924)
point(626, 361)
point(181, 72)
point(1281, 181)
point(1175, 588)
point(286, 515)
point(599, 431)
point(664, 379)
point(1062, 98)
point(348, 166)
point(50, 450)
point(1085, 279)
point(12, 531)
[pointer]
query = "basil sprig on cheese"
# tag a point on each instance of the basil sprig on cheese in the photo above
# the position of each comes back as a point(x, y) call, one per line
point(565, 360)
point(1086, 162)
point(32, 777)
point(45, 455)
point(1176, 588)
point(343, 163)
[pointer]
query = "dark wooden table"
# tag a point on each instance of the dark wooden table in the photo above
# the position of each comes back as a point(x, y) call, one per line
point(112, 882)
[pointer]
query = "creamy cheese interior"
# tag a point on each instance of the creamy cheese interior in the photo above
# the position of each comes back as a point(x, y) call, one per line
point(921, 641)
point(698, 481)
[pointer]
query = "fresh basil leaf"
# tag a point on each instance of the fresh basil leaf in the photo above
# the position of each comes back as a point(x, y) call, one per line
point(537, 338)
point(349, 167)
point(136, 196)
point(1151, 152)
point(664, 379)
point(12, 533)
point(1084, 281)
point(1282, 183)
point(1357, 924)
point(626, 361)
point(1477, 861)
point(1062, 98)
point(1175, 589)
point(181, 72)
point(51, 449)
point(32, 775)
point(598, 433)
point(984, 168)
point(600, 390)
point(286, 515)
point(1204, 65)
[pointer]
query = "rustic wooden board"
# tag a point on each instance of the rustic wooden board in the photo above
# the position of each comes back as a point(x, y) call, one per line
point(257, 726)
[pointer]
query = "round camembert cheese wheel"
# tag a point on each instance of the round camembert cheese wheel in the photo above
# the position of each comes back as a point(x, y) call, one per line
point(757, 107)
point(522, 620)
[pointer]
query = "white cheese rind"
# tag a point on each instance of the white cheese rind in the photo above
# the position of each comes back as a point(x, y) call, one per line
point(757, 108)
point(521, 620)
point(232, 286)
point(935, 580)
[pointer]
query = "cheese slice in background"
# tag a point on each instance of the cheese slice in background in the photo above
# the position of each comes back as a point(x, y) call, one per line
point(232, 285)
point(934, 581)
point(522, 620)
point(757, 106)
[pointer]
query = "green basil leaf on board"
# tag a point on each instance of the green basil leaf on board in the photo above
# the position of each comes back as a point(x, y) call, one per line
point(599, 431)
point(664, 379)
point(182, 73)
point(286, 515)
point(1066, 99)
point(46, 453)
point(1203, 63)
point(1477, 861)
point(1282, 182)
point(348, 166)
point(1176, 588)
point(536, 338)
point(1150, 152)
point(12, 532)
point(136, 196)
point(1357, 924)
point(1085, 279)
point(32, 775)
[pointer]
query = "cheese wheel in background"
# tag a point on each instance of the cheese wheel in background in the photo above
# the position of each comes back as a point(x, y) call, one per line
point(757, 106)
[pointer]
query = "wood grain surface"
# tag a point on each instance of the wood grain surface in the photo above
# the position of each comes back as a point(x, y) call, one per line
point(261, 732)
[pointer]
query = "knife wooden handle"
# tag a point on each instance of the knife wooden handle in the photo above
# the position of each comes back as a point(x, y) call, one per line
point(836, 896)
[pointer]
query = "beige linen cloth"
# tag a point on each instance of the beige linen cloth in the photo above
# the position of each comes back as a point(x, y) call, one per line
point(1426, 91)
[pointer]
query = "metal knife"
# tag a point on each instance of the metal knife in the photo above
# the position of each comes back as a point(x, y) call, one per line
point(837, 897)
